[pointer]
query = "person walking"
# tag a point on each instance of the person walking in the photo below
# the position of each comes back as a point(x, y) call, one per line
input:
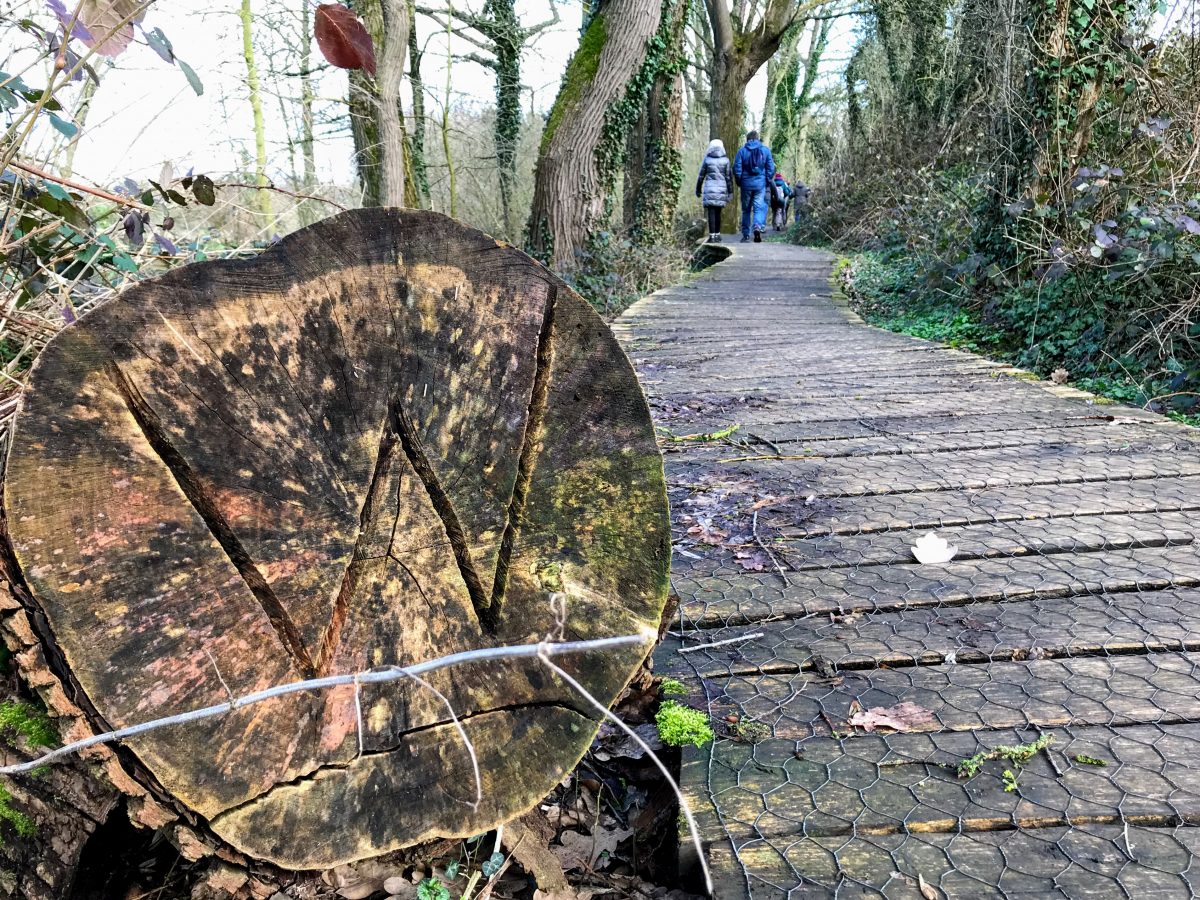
point(753, 170)
point(781, 192)
point(800, 192)
point(714, 187)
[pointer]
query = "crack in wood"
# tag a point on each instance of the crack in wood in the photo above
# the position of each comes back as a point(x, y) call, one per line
point(538, 398)
point(413, 448)
point(354, 568)
point(398, 745)
point(201, 499)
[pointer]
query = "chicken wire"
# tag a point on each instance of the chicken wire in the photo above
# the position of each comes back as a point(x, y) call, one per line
point(847, 683)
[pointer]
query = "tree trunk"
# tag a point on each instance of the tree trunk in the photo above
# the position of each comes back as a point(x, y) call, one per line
point(447, 150)
point(256, 107)
point(580, 157)
point(416, 158)
point(307, 99)
point(364, 109)
point(727, 114)
point(396, 25)
point(475, 467)
point(654, 171)
point(507, 38)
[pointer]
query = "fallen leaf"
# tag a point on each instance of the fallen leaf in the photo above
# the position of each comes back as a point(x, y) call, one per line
point(581, 851)
point(901, 717)
point(614, 742)
point(933, 549)
point(927, 891)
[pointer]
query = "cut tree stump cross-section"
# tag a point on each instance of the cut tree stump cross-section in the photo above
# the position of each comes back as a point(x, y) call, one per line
point(386, 439)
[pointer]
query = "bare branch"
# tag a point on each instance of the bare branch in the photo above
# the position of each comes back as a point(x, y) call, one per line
point(371, 676)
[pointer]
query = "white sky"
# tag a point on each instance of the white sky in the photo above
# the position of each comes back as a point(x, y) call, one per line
point(145, 113)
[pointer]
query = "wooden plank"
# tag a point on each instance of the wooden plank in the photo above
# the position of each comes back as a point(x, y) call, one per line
point(1087, 625)
point(1013, 466)
point(749, 597)
point(908, 784)
point(1124, 438)
point(944, 509)
point(1039, 693)
point(1023, 537)
point(690, 406)
point(1087, 862)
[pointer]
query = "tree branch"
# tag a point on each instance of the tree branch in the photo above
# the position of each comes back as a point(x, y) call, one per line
point(370, 676)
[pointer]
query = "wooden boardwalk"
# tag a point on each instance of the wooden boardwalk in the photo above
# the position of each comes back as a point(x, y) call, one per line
point(1072, 609)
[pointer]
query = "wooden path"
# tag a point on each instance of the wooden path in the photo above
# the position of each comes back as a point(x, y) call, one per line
point(1072, 609)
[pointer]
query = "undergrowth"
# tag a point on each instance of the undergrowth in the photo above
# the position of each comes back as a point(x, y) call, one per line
point(1080, 323)
point(614, 272)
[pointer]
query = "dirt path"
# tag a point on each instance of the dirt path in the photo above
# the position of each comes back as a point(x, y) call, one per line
point(1072, 609)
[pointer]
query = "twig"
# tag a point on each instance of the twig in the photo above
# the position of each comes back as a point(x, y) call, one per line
point(770, 553)
point(684, 807)
point(271, 187)
point(726, 642)
point(762, 440)
point(75, 185)
point(1168, 397)
point(371, 676)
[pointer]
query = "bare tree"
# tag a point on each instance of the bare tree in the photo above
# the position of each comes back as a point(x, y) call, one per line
point(744, 38)
point(260, 129)
point(500, 41)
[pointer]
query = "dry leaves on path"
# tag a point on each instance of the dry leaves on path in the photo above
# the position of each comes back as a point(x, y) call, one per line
point(901, 717)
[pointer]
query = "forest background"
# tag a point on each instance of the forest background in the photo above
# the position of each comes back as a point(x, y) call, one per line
point(1016, 177)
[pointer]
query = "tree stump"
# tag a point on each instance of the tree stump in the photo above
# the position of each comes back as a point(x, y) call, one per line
point(386, 439)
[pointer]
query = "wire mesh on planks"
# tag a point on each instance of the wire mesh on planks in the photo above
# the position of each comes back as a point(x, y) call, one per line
point(1023, 721)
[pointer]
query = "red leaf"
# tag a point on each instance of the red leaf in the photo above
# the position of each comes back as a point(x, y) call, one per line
point(343, 39)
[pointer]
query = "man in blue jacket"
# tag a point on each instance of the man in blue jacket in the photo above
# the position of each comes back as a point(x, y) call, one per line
point(754, 169)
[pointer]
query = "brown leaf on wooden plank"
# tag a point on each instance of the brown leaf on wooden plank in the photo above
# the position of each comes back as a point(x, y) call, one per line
point(343, 39)
point(901, 717)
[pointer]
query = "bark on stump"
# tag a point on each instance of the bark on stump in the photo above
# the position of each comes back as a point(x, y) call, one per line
point(387, 439)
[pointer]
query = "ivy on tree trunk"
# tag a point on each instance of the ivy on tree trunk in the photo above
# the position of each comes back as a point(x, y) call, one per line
point(585, 141)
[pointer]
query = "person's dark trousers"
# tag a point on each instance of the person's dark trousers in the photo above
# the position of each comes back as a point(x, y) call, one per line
point(714, 219)
point(754, 210)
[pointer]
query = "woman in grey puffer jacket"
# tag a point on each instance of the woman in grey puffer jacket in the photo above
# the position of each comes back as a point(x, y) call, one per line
point(714, 187)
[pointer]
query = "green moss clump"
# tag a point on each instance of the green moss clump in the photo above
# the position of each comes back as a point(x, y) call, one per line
point(679, 725)
point(21, 823)
point(580, 71)
point(17, 718)
point(672, 687)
